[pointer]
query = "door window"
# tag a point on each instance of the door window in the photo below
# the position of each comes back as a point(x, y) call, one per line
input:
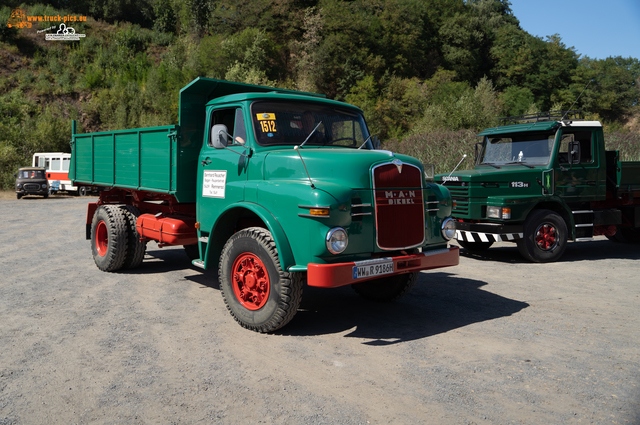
point(233, 119)
point(586, 146)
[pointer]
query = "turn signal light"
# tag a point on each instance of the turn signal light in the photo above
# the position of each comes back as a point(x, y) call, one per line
point(320, 212)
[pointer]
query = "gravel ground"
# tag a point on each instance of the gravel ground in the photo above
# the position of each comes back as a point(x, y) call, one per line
point(495, 340)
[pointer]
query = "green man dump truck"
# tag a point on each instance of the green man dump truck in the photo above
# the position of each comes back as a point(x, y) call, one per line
point(540, 180)
point(272, 187)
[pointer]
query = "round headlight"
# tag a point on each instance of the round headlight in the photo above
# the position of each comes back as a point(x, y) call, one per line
point(337, 240)
point(44, 185)
point(448, 228)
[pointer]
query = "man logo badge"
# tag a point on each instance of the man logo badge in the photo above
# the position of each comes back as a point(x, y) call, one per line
point(398, 165)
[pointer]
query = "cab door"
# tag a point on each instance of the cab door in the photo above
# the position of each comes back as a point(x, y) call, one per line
point(577, 180)
point(222, 173)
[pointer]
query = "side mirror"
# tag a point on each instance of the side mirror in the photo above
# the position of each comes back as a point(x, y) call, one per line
point(429, 171)
point(477, 148)
point(219, 136)
point(574, 153)
point(376, 142)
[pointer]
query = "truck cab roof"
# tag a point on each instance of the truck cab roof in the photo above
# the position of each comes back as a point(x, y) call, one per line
point(537, 126)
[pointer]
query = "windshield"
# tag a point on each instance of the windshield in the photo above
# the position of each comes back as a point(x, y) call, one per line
point(290, 123)
point(526, 148)
point(31, 174)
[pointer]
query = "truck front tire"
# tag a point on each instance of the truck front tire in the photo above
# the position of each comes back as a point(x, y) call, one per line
point(257, 292)
point(109, 238)
point(544, 237)
point(386, 289)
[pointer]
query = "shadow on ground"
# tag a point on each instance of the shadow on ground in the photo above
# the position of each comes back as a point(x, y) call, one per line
point(598, 249)
point(439, 303)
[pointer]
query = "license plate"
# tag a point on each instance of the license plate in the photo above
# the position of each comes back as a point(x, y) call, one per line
point(370, 268)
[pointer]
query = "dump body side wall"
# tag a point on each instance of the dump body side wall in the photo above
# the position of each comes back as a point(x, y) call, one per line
point(629, 175)
point(151, 159)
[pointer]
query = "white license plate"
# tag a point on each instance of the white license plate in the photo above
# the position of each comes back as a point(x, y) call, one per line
point(370, 268)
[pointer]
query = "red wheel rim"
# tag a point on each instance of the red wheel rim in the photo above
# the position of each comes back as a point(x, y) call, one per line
point(250, 281)
point(102, 238)
point(546, 237)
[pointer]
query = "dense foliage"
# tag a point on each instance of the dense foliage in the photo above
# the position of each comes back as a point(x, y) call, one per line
point(427, 73)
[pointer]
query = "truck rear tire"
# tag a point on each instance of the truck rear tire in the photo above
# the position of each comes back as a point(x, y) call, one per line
point(544, 237)
point(109, 238)
point(135, 247)
point(475, 246)
point(386, 289)
point(257, 292)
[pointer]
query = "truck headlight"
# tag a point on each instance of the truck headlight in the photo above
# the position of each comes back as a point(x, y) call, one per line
point(448, 228)
point(44, 185)
point(19, 186)
point(500, 213)
point(337, 240)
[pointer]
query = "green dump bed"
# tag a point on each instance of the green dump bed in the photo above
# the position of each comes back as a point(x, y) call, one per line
point(149, 159)
point(622, 176)
point(156, 159)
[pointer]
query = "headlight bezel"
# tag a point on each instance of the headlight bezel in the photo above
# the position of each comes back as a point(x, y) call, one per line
point(335, 237)
point(448, 228)
point(498, 213)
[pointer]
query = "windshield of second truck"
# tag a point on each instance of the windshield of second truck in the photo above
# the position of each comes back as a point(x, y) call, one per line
point(291, 123)
point(518, 148)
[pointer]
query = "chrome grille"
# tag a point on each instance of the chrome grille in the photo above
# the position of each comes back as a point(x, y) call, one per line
point(459, 197)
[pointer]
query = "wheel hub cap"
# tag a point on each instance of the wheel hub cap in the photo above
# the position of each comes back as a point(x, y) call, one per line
point(102, 239)
point(250, 281)
point(546, 237)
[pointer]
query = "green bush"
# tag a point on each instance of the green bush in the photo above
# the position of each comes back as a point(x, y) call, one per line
point(626, 142)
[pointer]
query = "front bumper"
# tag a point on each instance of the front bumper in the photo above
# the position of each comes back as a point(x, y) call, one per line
point(27, 192)
point(341, 274)
point(487, 232)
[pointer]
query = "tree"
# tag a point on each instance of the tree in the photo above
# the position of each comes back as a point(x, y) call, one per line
point(609, 86)
point(525, 61)
point(467, 37)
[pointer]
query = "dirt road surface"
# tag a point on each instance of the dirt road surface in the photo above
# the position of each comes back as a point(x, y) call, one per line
point(495, 340)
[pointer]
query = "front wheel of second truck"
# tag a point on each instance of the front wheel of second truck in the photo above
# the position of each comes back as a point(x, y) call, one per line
point(258, 293)
point(544, 237)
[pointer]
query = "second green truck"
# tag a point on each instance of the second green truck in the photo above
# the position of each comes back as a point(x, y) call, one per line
point(273, 188)
point(541, 180)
